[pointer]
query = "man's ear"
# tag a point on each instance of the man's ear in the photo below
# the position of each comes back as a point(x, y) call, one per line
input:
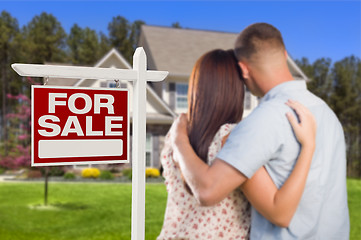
point(244, 68)
point(286, 54)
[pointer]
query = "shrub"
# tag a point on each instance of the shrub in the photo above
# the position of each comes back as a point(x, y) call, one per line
point(106, 175)
point(69, 175)
point(2, 170)
point(127, 172)
point(152, 172)
point(53, 171)
point(34, 174)
point(90, 173)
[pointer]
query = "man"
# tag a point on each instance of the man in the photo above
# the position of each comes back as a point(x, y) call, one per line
point(265, 138)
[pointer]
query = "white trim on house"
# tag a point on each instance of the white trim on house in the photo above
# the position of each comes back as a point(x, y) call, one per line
point(160, 101)
point(103, 59)
point(162, 117)
point(297, 69)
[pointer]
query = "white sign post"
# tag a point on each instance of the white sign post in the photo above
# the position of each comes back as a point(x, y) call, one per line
point(140, 75)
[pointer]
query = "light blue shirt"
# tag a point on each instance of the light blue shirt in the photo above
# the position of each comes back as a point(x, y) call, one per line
point(265, 138)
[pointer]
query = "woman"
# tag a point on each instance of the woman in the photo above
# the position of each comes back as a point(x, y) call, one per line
point(215, 83)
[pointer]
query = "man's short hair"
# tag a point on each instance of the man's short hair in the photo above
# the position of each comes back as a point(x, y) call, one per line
point(258, 38)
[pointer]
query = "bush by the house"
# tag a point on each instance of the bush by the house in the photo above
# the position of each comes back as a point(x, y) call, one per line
point(127, 172)
point(152, 172)
point(34, 174)
point(106, 175)
point(69, 176)
point(90, 173)
point(53, 171)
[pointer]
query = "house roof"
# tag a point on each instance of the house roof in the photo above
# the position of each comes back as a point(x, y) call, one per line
point(176, 50)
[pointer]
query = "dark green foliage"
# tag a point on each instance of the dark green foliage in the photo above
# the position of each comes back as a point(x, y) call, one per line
point(53, 171)
point(124, 36)
point(9, 35)
point(127, 172)
point(45, 39)
point(340, 86)
point(106, 175)
point(69, 176)
point(176, 25)
point(83, 45)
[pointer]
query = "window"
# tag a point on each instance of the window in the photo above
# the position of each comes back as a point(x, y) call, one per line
point(181, 95)
point(148, 150)
point(113, 84)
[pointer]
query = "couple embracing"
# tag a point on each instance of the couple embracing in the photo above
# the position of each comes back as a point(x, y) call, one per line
point(278, 174)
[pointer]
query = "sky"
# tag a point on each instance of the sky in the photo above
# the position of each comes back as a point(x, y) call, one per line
point(311, 29)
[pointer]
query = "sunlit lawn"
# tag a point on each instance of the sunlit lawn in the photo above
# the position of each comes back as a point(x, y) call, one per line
point(82, 211)
point(354, 204)
point(97, 211)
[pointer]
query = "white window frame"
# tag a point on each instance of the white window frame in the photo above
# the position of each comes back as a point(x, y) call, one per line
point(182, 96)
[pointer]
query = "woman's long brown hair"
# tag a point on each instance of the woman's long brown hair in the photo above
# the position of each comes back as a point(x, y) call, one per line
point(215, 97)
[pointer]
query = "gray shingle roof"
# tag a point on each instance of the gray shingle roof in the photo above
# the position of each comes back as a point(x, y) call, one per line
point(176, 50)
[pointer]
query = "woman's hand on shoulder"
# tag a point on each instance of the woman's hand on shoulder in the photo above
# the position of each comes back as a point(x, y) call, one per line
point(304, 128)
point(178, 130)
point(178, 133)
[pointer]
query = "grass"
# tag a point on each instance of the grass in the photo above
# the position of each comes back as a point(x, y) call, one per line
point(354, 204)
point(78, 211)
point(98, 211)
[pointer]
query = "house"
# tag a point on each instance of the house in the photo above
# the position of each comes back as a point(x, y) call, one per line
point(174, 50)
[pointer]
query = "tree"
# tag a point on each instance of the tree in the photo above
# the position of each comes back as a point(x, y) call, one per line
point(9, 30)
point(135, 33)
point(319, 74)
point(83, 45)
point(345, 100)
point(176, 25)
point(18, 127)
point(74, 41)
point(45, 39)
point(104, 45)
point(119, 30)
point(340, 86)
point(124, 36)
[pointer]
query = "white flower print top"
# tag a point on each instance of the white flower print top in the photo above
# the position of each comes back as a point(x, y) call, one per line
point(185, 219)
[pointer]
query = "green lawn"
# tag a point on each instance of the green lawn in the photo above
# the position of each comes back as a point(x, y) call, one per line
point(354, 204)
point(97, 211)
point(84, 211)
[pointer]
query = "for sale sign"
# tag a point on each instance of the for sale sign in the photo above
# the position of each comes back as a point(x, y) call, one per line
point(79, 126)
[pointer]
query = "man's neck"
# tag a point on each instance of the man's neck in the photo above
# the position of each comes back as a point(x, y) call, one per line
point(270, 79)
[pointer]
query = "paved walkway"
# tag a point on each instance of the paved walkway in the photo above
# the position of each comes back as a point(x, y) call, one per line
point(3, 178)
